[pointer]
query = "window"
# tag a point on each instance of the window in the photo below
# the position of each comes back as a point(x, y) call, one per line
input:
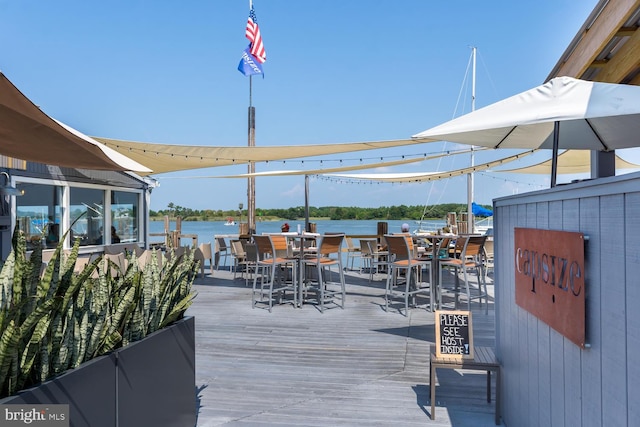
point(86, 213)
point(124, 216)
point(39, 213)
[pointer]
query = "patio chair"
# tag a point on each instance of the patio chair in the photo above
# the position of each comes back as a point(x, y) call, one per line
point(365, 256)
point(251, 262)
point(467, 257)
point(353, 251)
point(488, 255)
point(402, 260)
point(202, 254)
point(378, 259)
point(222, 251)
point(148, 256)
point(239, 257)
point(270, 269)
point(329, 255)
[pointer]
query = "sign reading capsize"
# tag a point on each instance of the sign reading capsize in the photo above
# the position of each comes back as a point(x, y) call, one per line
point(549, 269)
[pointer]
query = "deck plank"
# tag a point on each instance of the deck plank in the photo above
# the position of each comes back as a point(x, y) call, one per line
point(357, 366)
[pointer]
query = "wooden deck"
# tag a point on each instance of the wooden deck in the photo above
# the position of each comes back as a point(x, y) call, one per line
point(299, 367)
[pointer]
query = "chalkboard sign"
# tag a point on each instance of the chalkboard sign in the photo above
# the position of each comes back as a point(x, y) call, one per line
point(454, 334)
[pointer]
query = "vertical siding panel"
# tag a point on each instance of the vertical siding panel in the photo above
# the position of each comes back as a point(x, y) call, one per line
point(527, 336)
point(542, 378)
point(571, 353)
point(509, 351)
point(632, 255)
point(591, 357)
point(519, 349)
point(614, 352)
point(557, 341)
point(501, 223)
point(533, 372)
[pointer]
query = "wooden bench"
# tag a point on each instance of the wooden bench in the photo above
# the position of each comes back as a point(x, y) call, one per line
point(484, 360)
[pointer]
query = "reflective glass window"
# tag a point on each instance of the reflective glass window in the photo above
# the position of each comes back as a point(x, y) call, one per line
point(39, 213)
point(124, 217)
point(86, 213)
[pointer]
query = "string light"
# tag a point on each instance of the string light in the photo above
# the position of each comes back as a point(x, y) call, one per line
point(320, 161)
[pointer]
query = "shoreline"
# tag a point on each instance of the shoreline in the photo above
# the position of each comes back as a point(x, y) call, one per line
point(311, 219)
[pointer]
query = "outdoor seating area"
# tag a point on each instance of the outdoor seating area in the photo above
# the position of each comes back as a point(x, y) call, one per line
point(288, 365)
point(423, 272)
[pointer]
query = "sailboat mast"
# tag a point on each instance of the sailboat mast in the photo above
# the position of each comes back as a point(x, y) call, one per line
point(470, 184)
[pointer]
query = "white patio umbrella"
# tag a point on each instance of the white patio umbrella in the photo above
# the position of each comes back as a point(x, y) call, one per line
point(563, 113)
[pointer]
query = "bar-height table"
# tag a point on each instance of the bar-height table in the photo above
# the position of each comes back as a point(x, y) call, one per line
point(300, 251)
point(439, 242)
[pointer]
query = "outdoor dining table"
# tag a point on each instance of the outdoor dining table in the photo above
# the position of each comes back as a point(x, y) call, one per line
point(379, 256)
point(299, 251)
point(437, 253)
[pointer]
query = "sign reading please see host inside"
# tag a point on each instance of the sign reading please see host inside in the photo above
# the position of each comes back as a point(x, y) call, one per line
point(549, 270)
point(454, 334)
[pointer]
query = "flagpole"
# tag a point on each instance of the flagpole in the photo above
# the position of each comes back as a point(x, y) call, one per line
point(251, 181)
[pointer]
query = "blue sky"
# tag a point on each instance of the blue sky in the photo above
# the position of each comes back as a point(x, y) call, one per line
point(336, 71)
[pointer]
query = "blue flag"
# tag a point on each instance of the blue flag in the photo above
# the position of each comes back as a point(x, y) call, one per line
point(249, 65)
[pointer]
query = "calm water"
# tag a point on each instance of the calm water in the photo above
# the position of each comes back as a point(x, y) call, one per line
point(207, 229)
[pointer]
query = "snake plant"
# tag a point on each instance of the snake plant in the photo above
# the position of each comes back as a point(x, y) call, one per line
point(54, 319)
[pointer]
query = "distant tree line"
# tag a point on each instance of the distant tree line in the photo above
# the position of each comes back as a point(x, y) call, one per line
point(329, 212)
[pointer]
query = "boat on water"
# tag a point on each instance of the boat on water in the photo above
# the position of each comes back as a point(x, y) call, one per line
point(483, 223)
point(484, 226)
point(230, 221)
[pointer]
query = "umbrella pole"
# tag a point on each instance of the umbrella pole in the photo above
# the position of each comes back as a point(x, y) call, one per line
point(306, 203)
point(554, 155)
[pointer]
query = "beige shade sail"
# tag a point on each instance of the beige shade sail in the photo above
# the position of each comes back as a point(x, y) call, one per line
point(346, 168)
point(569, 162)
point(164, 158)
point(388, 177)
point(28, 133)
point(429, 176)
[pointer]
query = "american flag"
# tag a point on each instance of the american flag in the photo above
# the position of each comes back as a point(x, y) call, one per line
point(253, 34)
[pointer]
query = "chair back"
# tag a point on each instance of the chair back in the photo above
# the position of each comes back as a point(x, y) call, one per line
point(475, 247)
point(331, 244)
point(251, 253)
point(181, 251)
point(264, 246)
point(222, 244)
point(365, 248)
point(205, 249)
point(236, 249)
point(147, 256)
point(81, 263)
point(488, 248)
point(280, 245)
point(398, 247)
point(458, 248)
point(350, 246)
point(412, 248)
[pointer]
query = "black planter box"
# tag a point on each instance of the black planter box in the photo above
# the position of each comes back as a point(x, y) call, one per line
point(148, 383)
